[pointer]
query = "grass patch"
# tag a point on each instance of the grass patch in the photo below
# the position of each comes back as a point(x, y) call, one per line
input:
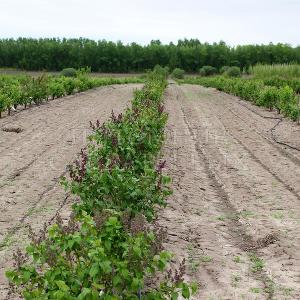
point(257, 263)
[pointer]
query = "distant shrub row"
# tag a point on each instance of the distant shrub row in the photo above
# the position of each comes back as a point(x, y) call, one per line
point(277, 81)
point(282, 98)
point(178, 73)
point(281, 70)
point(25, 90)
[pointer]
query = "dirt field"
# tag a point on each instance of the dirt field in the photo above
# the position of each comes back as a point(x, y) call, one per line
point(33, 160)
point(235, 211)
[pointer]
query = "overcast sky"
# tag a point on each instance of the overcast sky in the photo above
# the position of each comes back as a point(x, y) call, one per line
point(234, 21)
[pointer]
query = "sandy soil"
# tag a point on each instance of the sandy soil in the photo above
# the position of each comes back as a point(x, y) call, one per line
point(33, 160)
point(235, 211)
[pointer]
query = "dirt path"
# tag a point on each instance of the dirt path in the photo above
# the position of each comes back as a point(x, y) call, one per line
point(235, 211)
point(33, 160)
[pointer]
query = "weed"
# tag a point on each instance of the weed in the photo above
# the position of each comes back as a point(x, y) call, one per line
point(193, 260)
point(221, 218)
point(235, 279)
point(229, 216)
point(287, 291)
point(270, 286)
point(255, 290)
point(278, 215)
point(247, 214)
point(257, 263)
point(238, 259)
point(206, 259)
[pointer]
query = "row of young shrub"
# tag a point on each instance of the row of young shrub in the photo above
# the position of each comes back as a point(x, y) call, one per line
point(287, 70)
point(283, 99)
point(111, 248)
point(25, 90)
point(209, 71)
point(230, 71)
point(277, 81)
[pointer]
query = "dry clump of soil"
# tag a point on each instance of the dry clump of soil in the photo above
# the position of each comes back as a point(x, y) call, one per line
point(12, 129)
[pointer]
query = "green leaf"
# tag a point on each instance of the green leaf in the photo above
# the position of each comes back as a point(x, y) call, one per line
point(125, 273)
point(166, 179)
point(94, 270)
point(62, 285)
point(106, 266)
point(194, 287)
point(117, 280)
point(26, 275)
point(185, 291)
point(137, 250)
point(107, 244)
point(136, 283)
point(85, 292)
point(71, 243)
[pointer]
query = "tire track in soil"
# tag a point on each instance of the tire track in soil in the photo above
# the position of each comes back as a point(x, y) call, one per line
point(217, 209)
point(30, 193)
point(280, 214)
point(198, 199)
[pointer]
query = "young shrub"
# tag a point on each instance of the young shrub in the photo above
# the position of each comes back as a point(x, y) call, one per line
point(117, 170)
point(178, 73)
point(85, 83)
point(83, 71)
point(69, 85)
point(207, 71)
point(38, 89)
point(224, 69)
point(293, 111)
point(269, 97)
point(69, 72)
point(295, 85)
point(233, 72)
point(105, 257)
point(13, 92)
point(56, 89)
point(4, 102)
point(163, 71)
point(26, 91)
point(16, 94)
point(288, 102)
point(277, 81)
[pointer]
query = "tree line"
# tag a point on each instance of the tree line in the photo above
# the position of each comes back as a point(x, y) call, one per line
point(53, 54)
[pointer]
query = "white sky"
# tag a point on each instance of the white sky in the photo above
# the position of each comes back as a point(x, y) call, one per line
point(234, 21)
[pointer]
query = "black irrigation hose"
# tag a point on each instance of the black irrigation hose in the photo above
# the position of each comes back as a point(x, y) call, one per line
point(274, 138)
point(265, 117)
point(279, 142)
